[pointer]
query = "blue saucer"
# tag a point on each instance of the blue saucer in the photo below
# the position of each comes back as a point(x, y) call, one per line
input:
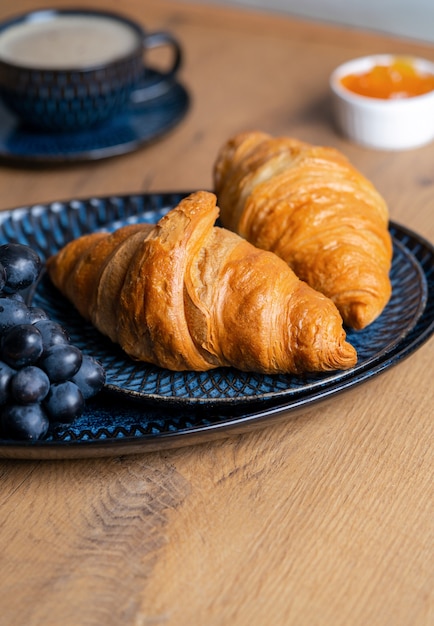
point(160, 108)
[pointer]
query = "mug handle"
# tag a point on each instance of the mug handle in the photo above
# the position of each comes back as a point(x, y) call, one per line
point(163, 82)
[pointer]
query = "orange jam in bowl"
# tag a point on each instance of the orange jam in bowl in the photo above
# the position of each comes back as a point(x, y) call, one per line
point(384, 101)
point(398, 79)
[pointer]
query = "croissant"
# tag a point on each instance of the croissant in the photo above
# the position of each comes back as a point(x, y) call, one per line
point(186, 295)
point(312, 208)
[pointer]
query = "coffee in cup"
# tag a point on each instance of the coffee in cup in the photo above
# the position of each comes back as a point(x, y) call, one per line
point(67, 41)
point(72, 69)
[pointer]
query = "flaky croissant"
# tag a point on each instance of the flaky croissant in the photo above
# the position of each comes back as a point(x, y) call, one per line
point(312, 208)
point(186, 295)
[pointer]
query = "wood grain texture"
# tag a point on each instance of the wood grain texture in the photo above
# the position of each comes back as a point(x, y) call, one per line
point(105, 538)
point(322, 520)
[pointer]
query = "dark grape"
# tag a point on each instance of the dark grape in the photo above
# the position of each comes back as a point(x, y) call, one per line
point(37, 314)
point(12, 313)
point(21, 345)
point(43, 377)
point(61, 362)
point(23, 421)
point(64, 402)
point(90, 378)
point(52, 333)
point(30, 384)
point(22, 266)
point(6, 374)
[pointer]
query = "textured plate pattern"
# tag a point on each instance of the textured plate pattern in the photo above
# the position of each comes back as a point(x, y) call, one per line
point(139, 124)
point(113, 425)
point(224, 385)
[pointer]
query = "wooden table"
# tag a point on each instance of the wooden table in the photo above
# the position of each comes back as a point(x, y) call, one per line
point(322, 519)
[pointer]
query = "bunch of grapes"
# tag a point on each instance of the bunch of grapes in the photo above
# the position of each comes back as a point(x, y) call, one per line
point(43, 377)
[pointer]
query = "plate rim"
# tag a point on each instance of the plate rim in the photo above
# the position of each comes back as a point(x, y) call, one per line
point(67, 449)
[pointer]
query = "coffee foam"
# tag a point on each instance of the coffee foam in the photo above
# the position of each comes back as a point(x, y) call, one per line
point(67, 41)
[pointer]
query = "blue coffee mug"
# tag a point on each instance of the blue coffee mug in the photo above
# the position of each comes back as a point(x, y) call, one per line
point(71, 69)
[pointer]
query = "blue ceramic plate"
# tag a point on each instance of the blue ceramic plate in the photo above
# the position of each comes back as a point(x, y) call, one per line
point(121, 420)
point(230, 386)
point(161, 107)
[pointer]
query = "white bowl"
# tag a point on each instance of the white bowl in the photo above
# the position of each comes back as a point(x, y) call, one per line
point(394, 124)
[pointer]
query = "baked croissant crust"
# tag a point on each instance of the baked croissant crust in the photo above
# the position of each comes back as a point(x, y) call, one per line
point(312, 208)
point(186, 295)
